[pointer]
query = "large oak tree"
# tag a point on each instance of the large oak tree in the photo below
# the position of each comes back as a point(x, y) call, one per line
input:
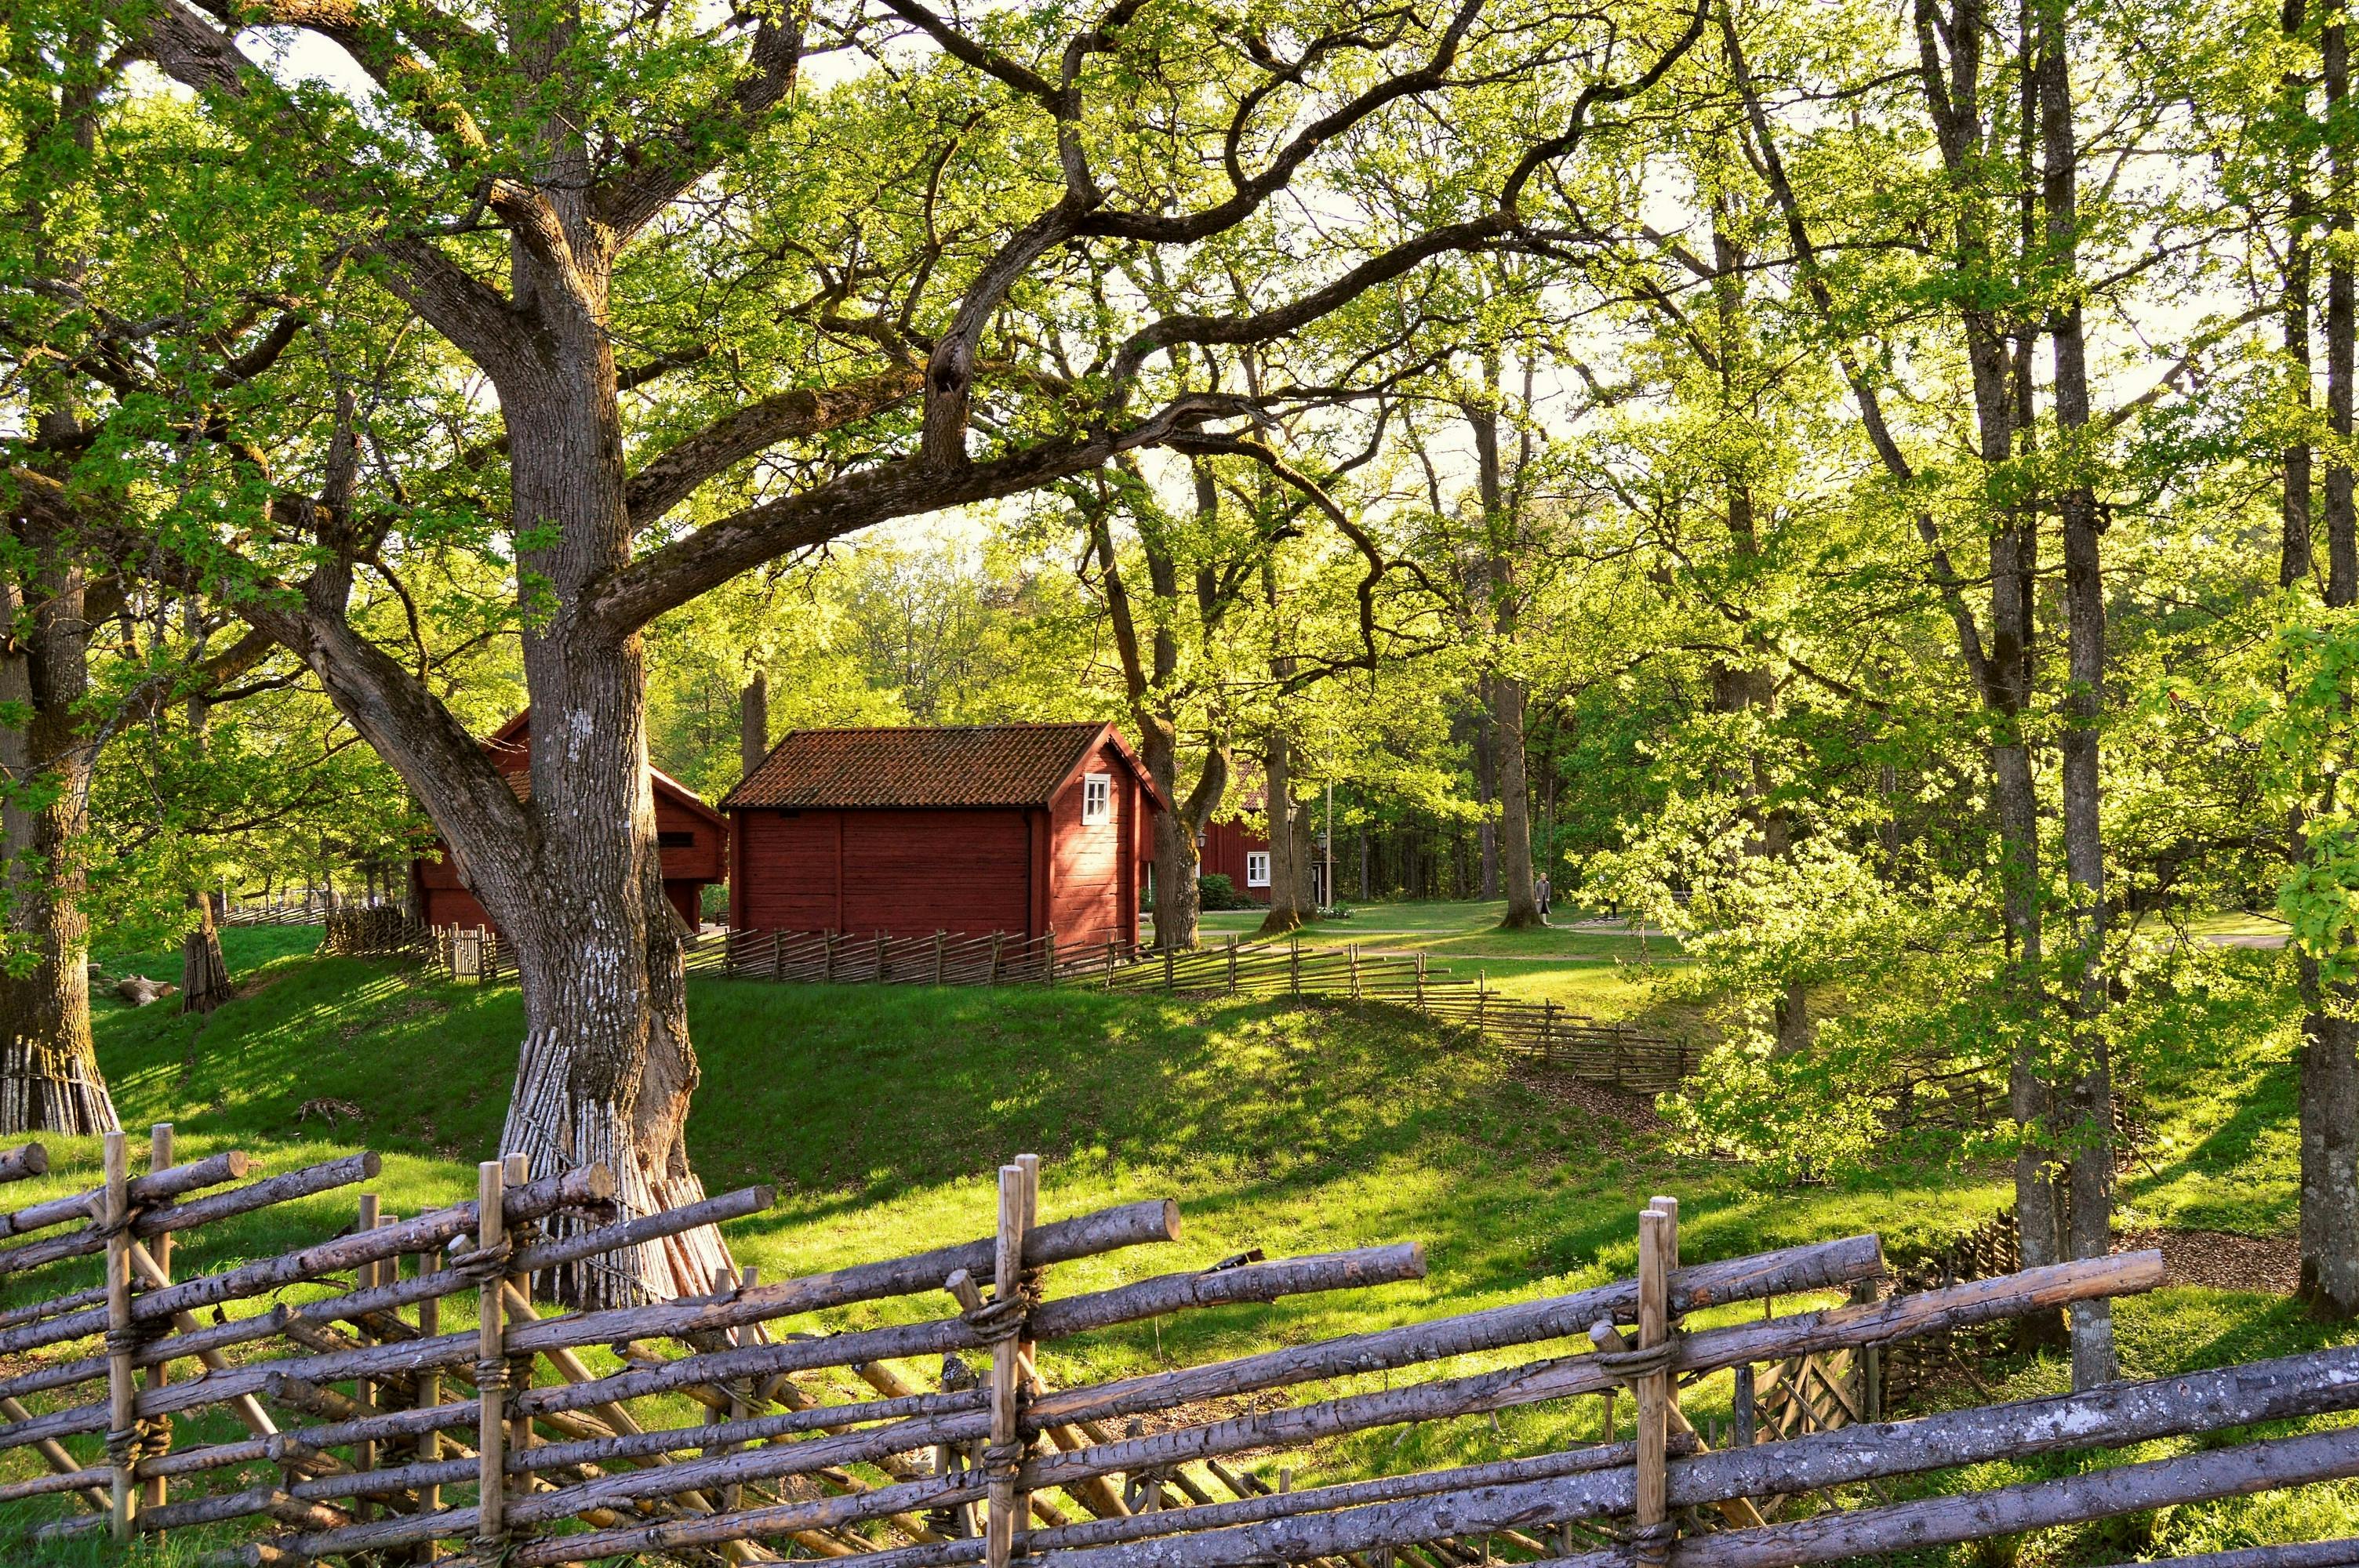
point(724, 313)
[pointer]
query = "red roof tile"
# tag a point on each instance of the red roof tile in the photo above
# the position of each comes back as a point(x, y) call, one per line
point(953, 765)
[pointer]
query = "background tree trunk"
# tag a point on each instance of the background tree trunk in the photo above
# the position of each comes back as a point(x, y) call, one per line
point(2096, 1359)
point(1286, 907)
point(754, 721)
point(1515, 803)
point(204, 973)
point(2329, 1087)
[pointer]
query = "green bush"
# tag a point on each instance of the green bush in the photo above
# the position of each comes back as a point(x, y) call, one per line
point(1215, 890)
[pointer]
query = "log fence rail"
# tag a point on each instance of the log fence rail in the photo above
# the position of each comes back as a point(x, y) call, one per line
point(737, 1426)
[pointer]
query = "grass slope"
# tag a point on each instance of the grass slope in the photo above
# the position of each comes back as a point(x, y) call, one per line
point(879, 1113)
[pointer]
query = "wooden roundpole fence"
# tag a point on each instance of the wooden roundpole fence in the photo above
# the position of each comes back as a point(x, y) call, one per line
point(491, 1368)
point(1007, 1268)
point(372, 1215)
point(1657, 1257)
point(122, 1392)
point(429, 1394)
point(515, 1169)
point(159, 1157)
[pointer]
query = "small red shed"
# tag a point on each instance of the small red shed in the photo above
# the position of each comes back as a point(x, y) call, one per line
point(965, 828)
point(691, 837)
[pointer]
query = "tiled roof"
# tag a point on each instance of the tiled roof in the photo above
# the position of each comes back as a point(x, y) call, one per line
point(511, 749)
point(956, 765)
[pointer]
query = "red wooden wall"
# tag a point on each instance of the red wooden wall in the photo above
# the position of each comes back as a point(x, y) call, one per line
point(1223, 851)
point(911, 871)
point(442, 899)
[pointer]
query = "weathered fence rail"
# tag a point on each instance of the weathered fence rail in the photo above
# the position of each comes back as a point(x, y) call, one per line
point(727, 1427)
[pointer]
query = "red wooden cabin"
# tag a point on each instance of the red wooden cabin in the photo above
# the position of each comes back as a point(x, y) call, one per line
point(1023, 828)
point(692, 838)
point(1229, 848)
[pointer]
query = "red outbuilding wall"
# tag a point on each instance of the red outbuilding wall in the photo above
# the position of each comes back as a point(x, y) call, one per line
point(810, 852)
point(1223, 851)
point(691, 838)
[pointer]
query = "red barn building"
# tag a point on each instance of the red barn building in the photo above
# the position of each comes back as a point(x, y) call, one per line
point(973, 828)
point(692, 838)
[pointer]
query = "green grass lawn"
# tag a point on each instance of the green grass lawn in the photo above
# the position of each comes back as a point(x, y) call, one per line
point(879, 1113)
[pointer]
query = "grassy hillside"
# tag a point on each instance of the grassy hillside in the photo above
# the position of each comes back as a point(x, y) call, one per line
point(879, 1113)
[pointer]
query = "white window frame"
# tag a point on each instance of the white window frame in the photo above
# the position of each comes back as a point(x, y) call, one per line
point(1097, 799)
point(1256, 858)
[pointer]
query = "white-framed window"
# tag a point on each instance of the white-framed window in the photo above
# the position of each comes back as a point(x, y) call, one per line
point(1097, 798)
point(1256, 867)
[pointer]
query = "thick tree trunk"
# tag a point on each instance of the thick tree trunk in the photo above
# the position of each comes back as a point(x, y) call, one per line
point(2329, 1086)
point(1502, 774)
point(1486, 791)
point(204, 973)
point(49, 1080)
point(1177, 862)
point(1515, 803)
point(1286, 911)
point(753, 722)
point(607, 1069)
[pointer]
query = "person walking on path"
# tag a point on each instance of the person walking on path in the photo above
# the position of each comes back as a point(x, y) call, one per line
point(1542, 893)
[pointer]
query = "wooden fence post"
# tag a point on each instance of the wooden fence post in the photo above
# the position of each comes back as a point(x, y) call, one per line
point(777, 964)
point(1353, 954)
point(1233, 966)
point(1741, 1412)
point(371, 1215)
point(515, 1169)
point(999, 1527)
point(997, 937)
point(122, 1392)
point(159, 1157)
point(1652, 1536)
point(1294, 965)
point(1048, 959)
point(1110, 962)
point(429, 1394)
point(1167, 982)
point(1420, 982)
point(827, 957)
point(490, 1365)
point(880, 959)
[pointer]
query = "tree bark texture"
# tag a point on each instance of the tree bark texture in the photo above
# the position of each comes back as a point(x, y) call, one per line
point(1152, 685)
point(204, 973)
point(2329, 1081)
point(2090, 1172)
point(606, 1068)
point(1508, 855)
point(753, 722)
point(1286, 911)
point(49, 1080)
